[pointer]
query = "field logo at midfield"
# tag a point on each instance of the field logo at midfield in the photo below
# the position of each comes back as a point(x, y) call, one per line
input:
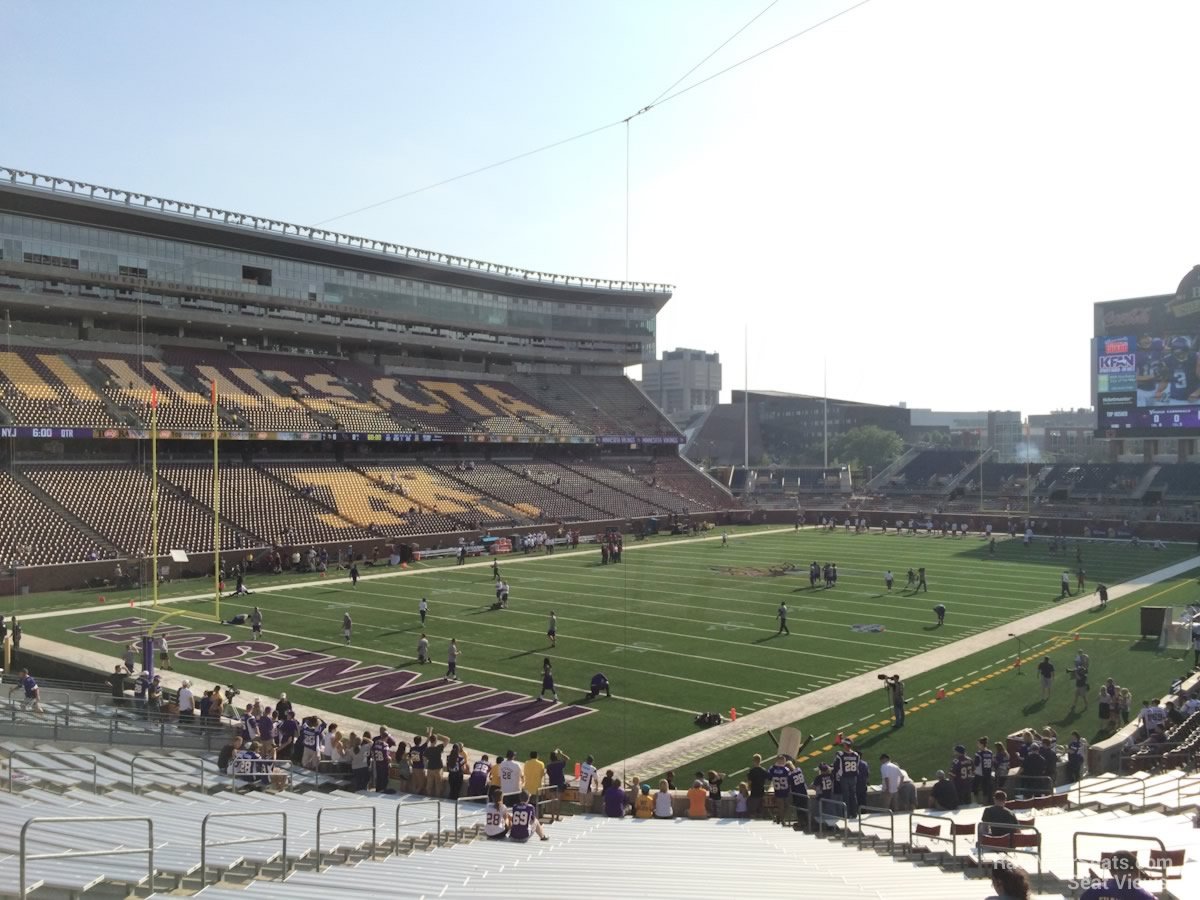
point(752, 572)
point(502, 712)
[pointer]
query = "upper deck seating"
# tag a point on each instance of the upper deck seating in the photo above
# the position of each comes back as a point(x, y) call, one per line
point(41, 388)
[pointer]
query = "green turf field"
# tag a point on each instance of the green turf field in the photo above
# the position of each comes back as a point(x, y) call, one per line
point(683, 624)
point(987, 696)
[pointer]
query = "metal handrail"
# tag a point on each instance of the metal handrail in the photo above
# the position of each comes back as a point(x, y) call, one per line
point(200, 761)
point(373, 827)
point(259, 768)
point(835, 803)
point(1190, 779)
point(890, 827)
point(1009, 831)
point(436, 819)
point(51, 755)
point(1021, 785)
point(281, 837)
point(1120, 837)
point(481, 798)
point(75, 854)
point(1097, 789)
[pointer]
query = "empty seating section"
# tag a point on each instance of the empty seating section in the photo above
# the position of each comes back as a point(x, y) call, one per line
point(933, 468)
point(1178, 481)
point(250, 402)
point(319, 389)
point(631, 489)
point(121, 511)
point(678, 476)
point(543, 503)
point(363, 501)
point(1007, 478)
point(571, 411)
point(41, 388)
point(262, 506)
point(31, 534)
point(456, 405)
point(128, 380)
point(620, 399)
point(1109, 479)
point(432, 490)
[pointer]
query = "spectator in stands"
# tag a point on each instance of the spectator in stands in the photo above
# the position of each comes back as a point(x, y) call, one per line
point(1033, 770)
point(496, 819)
point(1001, 763)
point(311, 730)
point(131, 653)
point(381, 758)
point(556, 771)
point(697, 800)
point(1010, 882)
point(962, 772)
point(643, 803)
point(477, 783)
point(614, 800)
point(756, 777)
point(899, 792)
point(435, 764)
point(228, 752)
point(524, 818)
point(266, 727)
point(511, 776)
point(534, 772)
point(186, 701)
point(663, 806)
point(943, 795)
point(1076, 756)
point(360, 761)
point(1123, 885)
point(713, 783)
point(287, 734)
point(998, 819)
point(456, 767)
point(117, 682)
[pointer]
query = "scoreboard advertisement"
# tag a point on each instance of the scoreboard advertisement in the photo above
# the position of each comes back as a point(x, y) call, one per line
point(1146, 365)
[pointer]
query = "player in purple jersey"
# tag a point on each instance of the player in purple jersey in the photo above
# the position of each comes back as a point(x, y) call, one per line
point(1179, 380)
point(524, 818)
point(33, 694)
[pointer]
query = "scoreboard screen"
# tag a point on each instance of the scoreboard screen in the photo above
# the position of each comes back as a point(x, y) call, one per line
point(1146, 364)
point(1148, 384)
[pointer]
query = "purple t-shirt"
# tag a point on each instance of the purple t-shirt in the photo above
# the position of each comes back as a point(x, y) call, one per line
point(614, 802)
point(1116, 890)
point(523, 817)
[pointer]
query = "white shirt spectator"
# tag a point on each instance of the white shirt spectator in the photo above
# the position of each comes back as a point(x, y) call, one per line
point(587, 778)
point(187, 701)
point(1192, 706)
point(892, 775)
point(662, 805)
point(510, 776)
point(495, 817)
point(1152, 717)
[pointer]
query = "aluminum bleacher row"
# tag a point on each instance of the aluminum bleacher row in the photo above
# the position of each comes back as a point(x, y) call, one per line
point(338, 841)
point(66, 512)
point(88, 388)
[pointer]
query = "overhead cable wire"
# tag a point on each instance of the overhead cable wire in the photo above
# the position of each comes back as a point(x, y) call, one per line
point(722, 46)
point(584, 134)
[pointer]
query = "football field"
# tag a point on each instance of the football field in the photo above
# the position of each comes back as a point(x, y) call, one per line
point(681, 625)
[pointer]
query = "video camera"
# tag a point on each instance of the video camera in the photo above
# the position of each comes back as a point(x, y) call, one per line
point(230, 693)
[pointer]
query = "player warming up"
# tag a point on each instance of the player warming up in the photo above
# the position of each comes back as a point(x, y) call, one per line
point(940, 610)
point(347, 626)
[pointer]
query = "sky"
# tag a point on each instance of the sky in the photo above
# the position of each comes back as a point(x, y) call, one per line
point(920, 200)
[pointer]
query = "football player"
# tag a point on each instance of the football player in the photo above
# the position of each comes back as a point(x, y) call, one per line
point(1180, 377)
point(1149, 364)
